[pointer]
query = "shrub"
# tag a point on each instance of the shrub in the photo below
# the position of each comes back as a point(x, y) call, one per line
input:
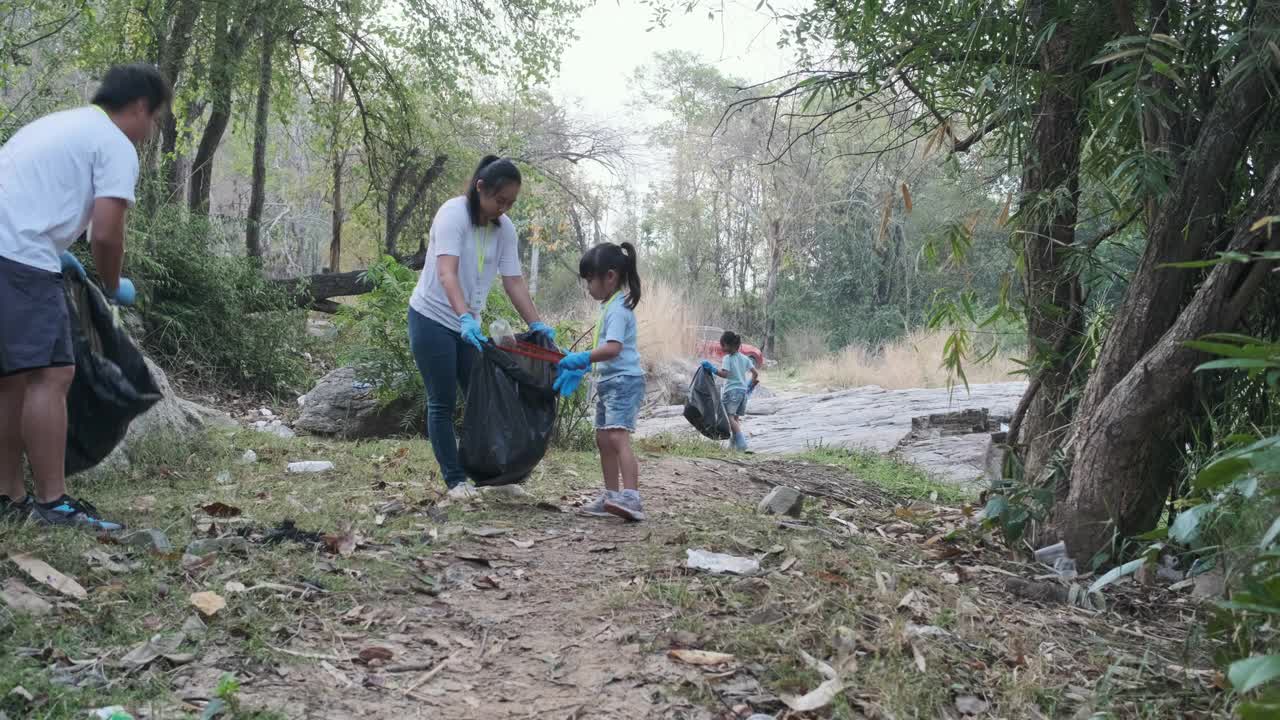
point(211, 315)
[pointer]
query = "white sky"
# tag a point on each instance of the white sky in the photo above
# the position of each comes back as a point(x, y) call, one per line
point(595, 70)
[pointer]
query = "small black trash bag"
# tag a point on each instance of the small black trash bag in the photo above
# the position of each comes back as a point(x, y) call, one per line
point(510, 415)
point(704, 409)
point(112, 385)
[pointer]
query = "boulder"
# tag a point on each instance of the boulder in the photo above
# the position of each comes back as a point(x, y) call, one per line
point(782, 501)
point(342, 405)
point(172, 416)
point(667, 383)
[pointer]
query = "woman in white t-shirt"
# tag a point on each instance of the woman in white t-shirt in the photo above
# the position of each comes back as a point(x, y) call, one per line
point(472, 242)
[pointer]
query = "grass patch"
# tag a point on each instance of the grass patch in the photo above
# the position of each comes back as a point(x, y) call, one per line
point(687, 446)
point(898, 477)
point(165, 487)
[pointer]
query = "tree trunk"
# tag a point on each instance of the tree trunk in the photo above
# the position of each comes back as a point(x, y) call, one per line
point(228, 50)
point(1050, 192)
point(774, 230)
point(262, 116)
point(397, 216)
point(339, 161)
point(1120, 454)
point(172, 59)
point(1112, 489)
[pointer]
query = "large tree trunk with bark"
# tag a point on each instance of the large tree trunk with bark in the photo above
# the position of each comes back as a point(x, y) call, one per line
point(261, 124)
point(773, 231)
point(1050, 190)
point(1120, 453)
point(1113, 490)
point(228, 49)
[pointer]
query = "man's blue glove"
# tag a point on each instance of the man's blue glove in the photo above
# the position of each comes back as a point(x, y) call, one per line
point(471, 330)
point(574, 362)
point(567, 381)
point(125, 292)
point(71, 264)
point(544, 330)
point(706, 365)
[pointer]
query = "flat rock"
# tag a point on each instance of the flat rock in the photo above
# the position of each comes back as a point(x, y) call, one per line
point(868, 418)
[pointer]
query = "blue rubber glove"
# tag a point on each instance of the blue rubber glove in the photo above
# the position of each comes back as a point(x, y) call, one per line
point(471, 331)
point(125, 293)
point(71, 264)
point(706, 365)
point(567, 381)
point(544, 330)
point(575, 361)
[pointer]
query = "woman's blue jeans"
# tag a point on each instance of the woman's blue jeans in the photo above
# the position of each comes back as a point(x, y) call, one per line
point(444, 361)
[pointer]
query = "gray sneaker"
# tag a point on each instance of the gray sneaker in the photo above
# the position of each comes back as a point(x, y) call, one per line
point(595, 508)
point(625, 505)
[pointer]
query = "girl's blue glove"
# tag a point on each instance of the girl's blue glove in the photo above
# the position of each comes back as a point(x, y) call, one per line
point(544, 330)
point(471, 330)
point(71, 264)
point(706, 365)
point(575, 361)
point(567, 381)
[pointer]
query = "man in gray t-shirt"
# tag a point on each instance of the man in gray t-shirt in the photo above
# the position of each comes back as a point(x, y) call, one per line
point(58, 175)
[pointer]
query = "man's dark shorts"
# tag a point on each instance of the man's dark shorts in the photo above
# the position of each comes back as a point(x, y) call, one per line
point(35, 327)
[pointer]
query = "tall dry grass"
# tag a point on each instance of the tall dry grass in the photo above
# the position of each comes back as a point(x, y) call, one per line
point(915, 361)
point(665, 320)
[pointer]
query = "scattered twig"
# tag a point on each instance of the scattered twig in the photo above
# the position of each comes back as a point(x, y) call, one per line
point(426, 677)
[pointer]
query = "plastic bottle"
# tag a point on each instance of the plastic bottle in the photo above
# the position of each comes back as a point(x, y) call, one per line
point(500, 331)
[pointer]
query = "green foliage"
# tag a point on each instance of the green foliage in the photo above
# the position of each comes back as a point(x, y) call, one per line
point(1015, 506)
point(375, 334)
point(212, 316)
point(1232, 519)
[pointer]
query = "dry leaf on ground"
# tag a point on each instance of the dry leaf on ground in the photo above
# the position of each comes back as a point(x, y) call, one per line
point(374, 652)
point(701, 657)
point(208, 603)
point(819, 697)
point(42, 572)
point(343, 543)
point(21, 598)
point(220, 510)
point(522, 544)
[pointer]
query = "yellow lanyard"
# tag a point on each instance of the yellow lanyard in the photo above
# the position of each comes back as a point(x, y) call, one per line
point(603, 312)
point(480, 249)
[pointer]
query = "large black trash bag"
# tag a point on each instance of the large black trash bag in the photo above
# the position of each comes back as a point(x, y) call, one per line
point(704, 409)
point(112, 385)
point(510, 415)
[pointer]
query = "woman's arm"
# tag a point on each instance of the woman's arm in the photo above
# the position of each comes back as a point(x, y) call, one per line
point(447, 271)
point(518, 291)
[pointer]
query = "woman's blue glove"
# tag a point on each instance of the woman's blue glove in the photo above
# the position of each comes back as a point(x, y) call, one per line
point(706, 365)
point(567, 381)
point(471, 330)
point(71, 264)
point(544, 330)
point(575, 361)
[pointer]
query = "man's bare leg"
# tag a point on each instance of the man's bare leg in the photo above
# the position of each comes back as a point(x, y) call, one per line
point(12, 390)
point(44, 429)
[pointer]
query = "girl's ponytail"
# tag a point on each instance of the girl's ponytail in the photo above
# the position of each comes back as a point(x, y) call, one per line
point(633, 275)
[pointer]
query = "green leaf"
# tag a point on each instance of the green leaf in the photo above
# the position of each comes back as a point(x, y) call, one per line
point(1116, 573)
point(1247, 674)
point(1237, 364)
point(1186, 527)
point(995, 508)
point(1260, 711)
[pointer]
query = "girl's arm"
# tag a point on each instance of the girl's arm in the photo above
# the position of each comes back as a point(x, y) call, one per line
point(722, 373)
point(518, 290)
point(606, 352)
point(755, 376)
point(447, 271)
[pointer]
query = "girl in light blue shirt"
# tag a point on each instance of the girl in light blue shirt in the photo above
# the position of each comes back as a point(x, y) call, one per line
point(610, 272)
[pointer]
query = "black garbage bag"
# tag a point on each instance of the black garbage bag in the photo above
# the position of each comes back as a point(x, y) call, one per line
point(112, 385)
point(510, 415)
point(704, 409)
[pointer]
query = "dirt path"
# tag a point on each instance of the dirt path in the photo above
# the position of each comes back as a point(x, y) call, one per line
point(518, 632)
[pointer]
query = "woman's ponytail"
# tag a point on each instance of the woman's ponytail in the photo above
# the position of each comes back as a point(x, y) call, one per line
point(633, 275)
